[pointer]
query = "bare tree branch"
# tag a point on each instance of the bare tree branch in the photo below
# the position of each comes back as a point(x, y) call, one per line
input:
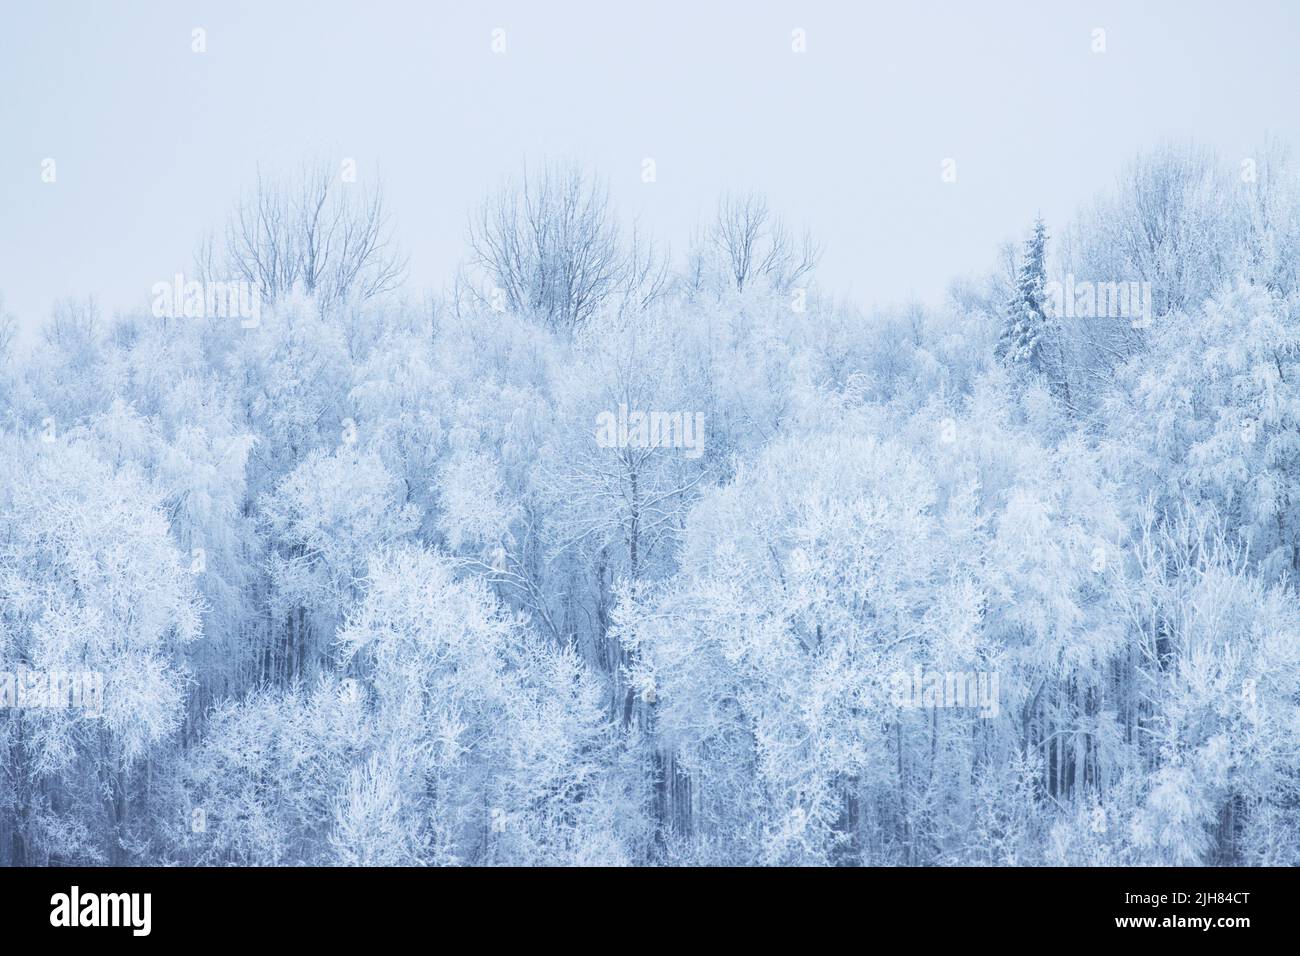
point(319, 234)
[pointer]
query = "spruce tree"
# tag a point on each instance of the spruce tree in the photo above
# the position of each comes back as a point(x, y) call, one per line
point(1023, 340)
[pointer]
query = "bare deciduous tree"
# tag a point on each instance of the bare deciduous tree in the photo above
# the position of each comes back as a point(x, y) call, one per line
point(646, 278)
point(315, 232)
point(752, 244)
point(74, 324)
point(8, 330)
point(552, 247)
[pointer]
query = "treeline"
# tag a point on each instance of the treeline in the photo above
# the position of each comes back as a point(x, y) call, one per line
point(365, 588)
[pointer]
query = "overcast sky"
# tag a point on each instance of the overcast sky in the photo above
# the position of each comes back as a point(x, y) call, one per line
point(153, 141)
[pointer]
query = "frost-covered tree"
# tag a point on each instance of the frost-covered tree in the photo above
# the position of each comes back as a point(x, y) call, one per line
point(497, 735)
point(1024, 335)
point(260, 789)
point(92, 587)
point(1210, 414)
point(326, 518)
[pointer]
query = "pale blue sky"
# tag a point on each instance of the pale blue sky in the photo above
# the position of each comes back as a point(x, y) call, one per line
point(153, 142)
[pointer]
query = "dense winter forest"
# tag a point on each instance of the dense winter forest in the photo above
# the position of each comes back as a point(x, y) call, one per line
point(607, 555)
